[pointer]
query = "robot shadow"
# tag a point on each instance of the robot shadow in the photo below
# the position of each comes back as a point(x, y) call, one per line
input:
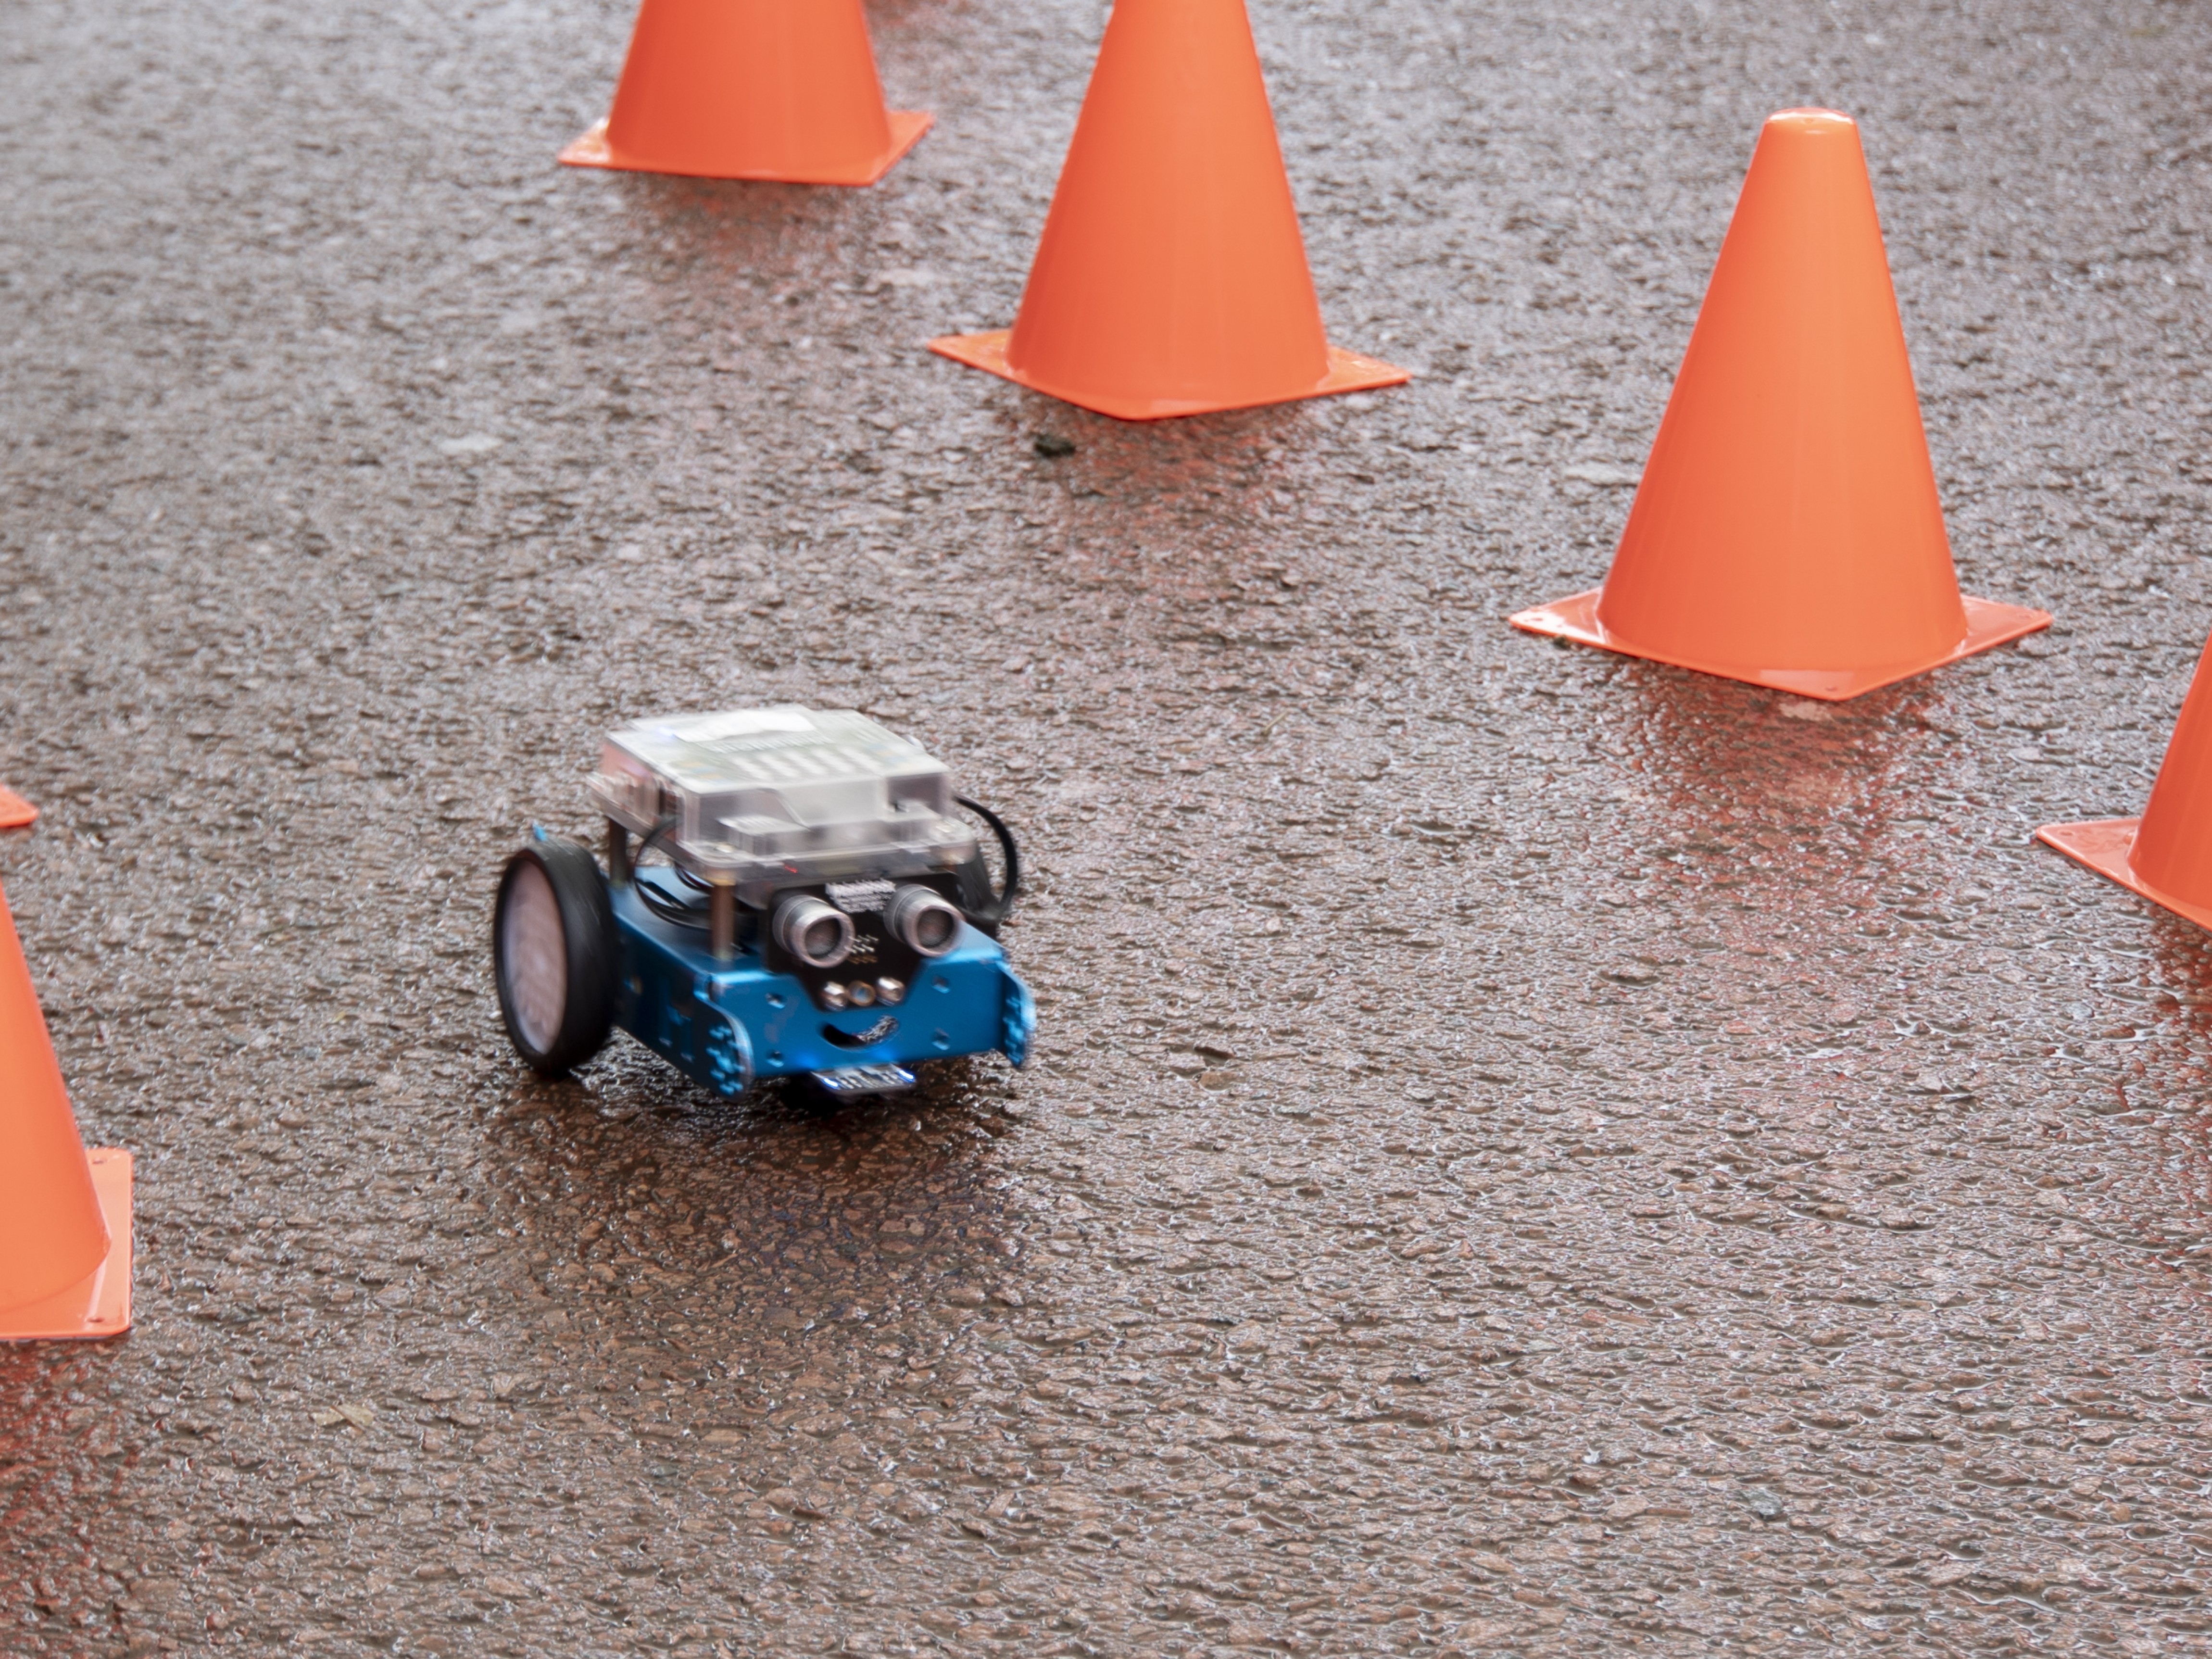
point(666, 1210)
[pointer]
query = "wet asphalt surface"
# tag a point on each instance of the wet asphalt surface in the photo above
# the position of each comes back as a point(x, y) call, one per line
point(1527, 1151)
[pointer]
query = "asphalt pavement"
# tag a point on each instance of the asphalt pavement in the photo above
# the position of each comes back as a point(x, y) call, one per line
point(1527, 1151)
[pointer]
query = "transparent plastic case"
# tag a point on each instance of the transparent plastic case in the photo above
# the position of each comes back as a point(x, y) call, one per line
point(768, 796)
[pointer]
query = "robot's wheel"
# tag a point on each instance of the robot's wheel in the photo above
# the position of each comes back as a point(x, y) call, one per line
point(555, 956)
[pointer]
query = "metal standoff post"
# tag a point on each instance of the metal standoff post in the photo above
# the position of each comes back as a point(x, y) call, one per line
point(722, 920)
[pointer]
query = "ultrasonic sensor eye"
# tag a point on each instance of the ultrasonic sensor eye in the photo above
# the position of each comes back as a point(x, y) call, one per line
point(820, 935)
point(925, 922)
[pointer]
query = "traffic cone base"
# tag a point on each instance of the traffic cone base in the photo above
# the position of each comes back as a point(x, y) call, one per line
point(1348, 371)
point(1988, 624)
point(907, 126)
point(98, 1305)
point(2104, 845)
point(15, 812)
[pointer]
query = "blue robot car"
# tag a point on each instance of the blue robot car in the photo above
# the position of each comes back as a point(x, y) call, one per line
point(787, 893)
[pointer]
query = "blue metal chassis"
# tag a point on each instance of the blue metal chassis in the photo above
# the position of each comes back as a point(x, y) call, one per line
point(726, 1024)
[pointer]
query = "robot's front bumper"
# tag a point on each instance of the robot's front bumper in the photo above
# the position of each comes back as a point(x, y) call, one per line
point(727, 1023)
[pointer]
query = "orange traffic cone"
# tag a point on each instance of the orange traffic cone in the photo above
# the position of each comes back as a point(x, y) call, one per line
point(64, 1216)
point(15, 812)
point(1171, 278)
point(2165, 855)
point(1787, 531)
point(776, 90)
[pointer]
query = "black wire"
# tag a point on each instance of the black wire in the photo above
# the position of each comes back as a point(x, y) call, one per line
point(990, 918)
point(679, 915)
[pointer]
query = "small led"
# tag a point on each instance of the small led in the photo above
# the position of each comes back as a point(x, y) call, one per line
point(862, 993)
point(833, 995)
point(891, 992)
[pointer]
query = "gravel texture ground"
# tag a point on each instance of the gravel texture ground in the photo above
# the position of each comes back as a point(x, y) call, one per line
point(1528, 1153)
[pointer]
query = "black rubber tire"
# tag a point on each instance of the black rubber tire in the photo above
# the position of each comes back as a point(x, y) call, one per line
point(555, 1027)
